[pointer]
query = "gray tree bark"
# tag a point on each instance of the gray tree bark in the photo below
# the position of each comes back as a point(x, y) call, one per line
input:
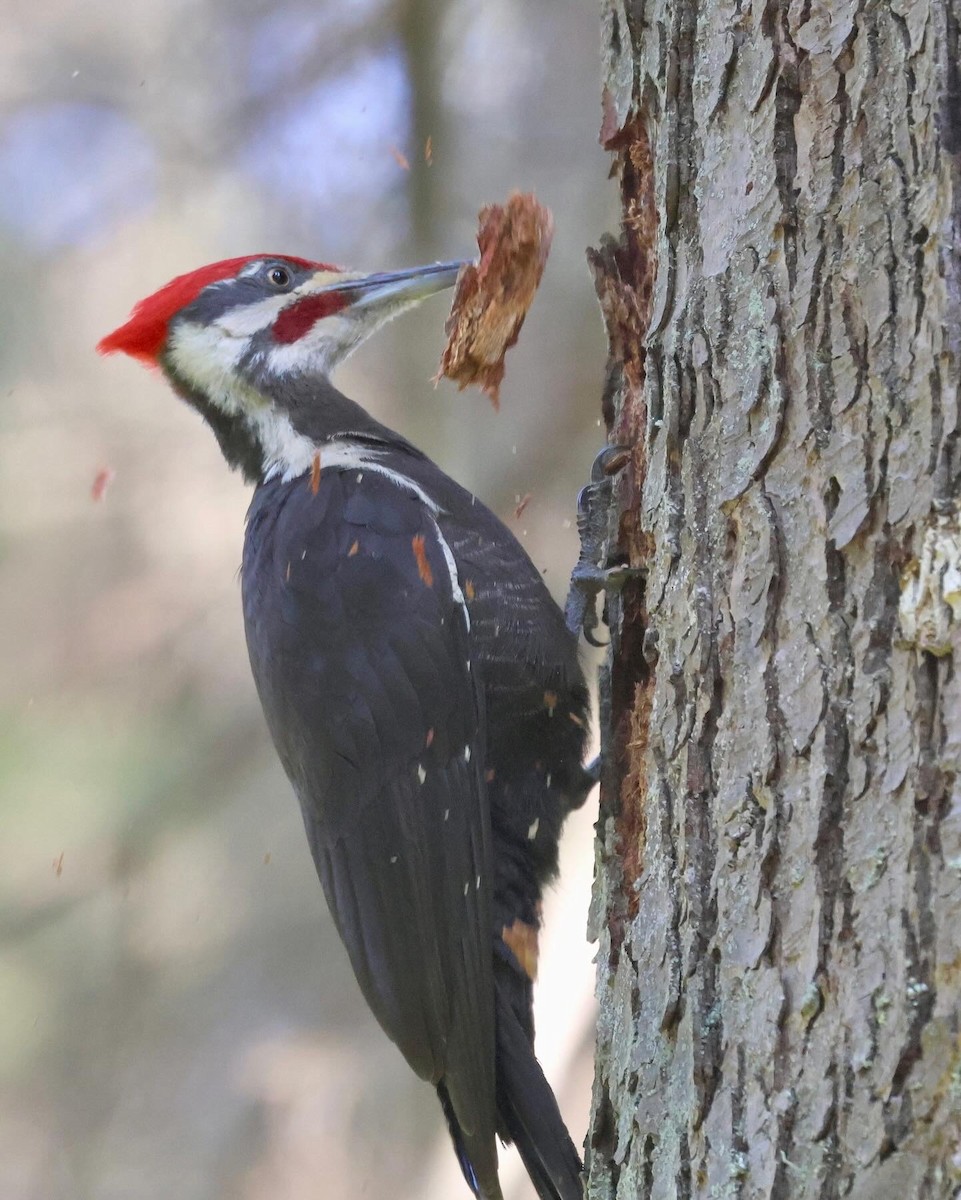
point(778, 894)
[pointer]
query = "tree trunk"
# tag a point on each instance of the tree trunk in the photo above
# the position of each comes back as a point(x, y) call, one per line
point(778, 896)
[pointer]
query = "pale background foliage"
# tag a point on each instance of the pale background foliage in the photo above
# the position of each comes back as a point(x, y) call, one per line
point(178, 1018)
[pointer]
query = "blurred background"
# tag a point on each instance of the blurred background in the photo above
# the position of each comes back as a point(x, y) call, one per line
point(177, 1017)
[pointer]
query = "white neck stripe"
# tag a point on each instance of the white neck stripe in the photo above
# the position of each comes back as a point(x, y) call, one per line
point(360, 456)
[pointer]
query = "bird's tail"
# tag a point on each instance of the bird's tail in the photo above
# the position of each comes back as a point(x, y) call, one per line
point(457, 1137)
point(527, 1111)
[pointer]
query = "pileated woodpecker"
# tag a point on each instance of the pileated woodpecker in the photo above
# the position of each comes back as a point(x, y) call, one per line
point(419, 683)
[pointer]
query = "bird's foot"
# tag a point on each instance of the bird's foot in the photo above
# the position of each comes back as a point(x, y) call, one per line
point(594, 571)
point(587, 581)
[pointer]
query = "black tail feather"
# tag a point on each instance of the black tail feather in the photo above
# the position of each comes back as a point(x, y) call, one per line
point(528, 1112)
point(453, 1127)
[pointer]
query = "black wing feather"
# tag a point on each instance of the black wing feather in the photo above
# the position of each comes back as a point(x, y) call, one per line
point(362, 668)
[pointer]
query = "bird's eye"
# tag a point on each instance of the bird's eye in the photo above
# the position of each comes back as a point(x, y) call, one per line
point(278, 277)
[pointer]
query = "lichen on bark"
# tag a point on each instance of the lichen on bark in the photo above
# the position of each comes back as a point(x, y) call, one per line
point(778, 896)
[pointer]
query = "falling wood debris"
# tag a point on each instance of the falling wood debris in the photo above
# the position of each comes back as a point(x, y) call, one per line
point(494, 293)
point(102, 480)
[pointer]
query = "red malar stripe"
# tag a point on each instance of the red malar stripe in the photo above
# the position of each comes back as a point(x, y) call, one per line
point(301, 316)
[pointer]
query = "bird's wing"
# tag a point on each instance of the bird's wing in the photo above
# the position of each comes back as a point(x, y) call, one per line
point(359, 641)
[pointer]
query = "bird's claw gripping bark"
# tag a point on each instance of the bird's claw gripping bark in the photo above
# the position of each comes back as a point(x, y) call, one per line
point(596, 526)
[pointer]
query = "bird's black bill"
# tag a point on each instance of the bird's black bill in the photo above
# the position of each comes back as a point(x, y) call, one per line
point(401, 286)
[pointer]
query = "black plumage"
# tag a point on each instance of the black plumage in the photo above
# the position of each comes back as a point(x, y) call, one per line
point(434, 739)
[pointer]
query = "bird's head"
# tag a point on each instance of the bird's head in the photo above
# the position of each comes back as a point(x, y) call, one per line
point(248, 340)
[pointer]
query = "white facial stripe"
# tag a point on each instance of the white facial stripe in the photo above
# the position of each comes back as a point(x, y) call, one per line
point(208, 356)
point(208, 361)
point(247, 319)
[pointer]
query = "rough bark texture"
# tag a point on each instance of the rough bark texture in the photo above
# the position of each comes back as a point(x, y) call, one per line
point(778, 896)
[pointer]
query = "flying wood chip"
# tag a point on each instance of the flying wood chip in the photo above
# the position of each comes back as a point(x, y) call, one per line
point(494, 294)
point(101, 481)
